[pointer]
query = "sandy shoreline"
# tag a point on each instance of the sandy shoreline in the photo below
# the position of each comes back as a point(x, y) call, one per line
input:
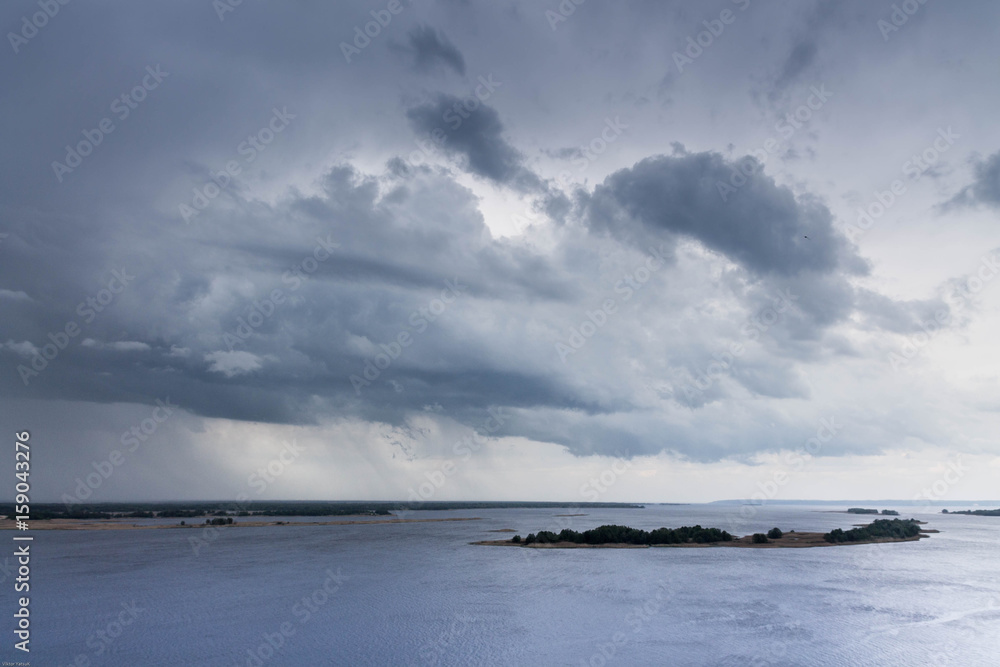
point(119, 524)
point(788, 541)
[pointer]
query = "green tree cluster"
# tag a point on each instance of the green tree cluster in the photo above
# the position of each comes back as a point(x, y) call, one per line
point(613, 534)
point(894, 528)
point(218, 522)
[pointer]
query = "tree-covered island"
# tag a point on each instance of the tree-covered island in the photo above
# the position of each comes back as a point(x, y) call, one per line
point(614, 536)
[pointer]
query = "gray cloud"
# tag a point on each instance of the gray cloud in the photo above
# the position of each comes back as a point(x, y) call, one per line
point(476, 135)
point(430, 49)
point(985, 187)
point(763, 227)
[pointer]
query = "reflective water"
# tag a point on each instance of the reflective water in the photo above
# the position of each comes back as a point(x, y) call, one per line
point(419, 594)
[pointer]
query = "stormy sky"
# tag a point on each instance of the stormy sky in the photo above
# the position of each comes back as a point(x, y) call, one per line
point(472, 250)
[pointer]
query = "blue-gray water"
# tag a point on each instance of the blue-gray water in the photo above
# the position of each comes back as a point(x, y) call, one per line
point(419, 594)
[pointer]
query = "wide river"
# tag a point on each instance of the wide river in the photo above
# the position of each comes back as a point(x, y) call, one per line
point(419, 594)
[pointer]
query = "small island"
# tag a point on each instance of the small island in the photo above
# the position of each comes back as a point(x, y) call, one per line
point(995, 512)
point(862, 510)
point(624, 537)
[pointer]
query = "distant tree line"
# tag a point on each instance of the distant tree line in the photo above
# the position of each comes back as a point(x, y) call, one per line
point(219, 522)
point(862, 510)
point(186, 510)
point(895, 528)
point(613, 534)
point(995, 512)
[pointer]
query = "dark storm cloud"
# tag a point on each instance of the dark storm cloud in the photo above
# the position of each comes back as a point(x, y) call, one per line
point(761, 226)
point(985, 187)
point(397, 237)
point(475, 133)
point(430, 49)
point(396, 243)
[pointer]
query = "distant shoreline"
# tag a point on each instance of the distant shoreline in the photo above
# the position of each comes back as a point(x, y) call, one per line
point(119, 524)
